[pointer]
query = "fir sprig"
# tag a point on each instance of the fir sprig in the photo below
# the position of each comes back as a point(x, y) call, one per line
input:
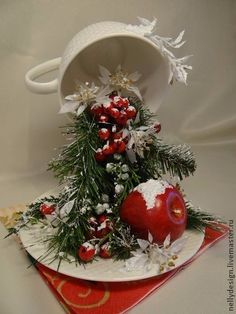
point(198, 219)
point(177, 160)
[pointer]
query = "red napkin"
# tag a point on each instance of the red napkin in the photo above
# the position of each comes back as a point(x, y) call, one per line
point(88, 297)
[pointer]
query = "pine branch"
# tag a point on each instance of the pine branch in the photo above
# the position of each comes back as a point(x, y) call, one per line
point(178, 160)
point(198, 219)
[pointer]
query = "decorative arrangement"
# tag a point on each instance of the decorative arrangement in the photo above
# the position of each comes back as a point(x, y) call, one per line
point(118, 197)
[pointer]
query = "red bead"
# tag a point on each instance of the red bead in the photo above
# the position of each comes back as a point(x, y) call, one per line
point(99, 156)
point(121, 147)
point(86, 252)
point(114, 112)
point(47, 209)
point(104, 134)
point(103, 118)
point(131, 112)
point(97, 110)
point(122, 119)
point(157, 127)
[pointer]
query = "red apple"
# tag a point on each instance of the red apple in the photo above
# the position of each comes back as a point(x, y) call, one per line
point(156, 207)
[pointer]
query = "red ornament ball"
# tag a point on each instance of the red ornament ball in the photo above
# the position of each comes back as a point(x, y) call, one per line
point(156, 207)
point(47, 209)
point(86, 252)
point(104, 134)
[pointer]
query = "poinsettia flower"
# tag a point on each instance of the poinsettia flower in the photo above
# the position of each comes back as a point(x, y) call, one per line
point(150, 255)
point(120, 80)
point(84, 96)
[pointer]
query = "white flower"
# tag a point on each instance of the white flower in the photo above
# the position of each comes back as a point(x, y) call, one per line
point(120, 79)
point(178, 68)
point(85, 95)
point(150, 255)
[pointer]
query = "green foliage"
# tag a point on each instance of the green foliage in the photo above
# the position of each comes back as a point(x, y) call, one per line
point(177, 160)
point(198, 219)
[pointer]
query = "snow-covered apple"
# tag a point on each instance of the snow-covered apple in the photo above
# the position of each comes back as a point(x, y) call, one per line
point(156, 207)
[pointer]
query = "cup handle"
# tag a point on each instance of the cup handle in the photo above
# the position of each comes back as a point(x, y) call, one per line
point(39, 70)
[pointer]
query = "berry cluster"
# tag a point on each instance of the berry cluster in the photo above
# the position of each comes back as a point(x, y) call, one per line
point(112, 117)
point(100, 227)
point(88, 251)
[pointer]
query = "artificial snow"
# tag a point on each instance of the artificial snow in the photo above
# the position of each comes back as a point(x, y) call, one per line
point(151, 189)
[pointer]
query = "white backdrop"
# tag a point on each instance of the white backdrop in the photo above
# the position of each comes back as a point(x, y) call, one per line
point(202, 114)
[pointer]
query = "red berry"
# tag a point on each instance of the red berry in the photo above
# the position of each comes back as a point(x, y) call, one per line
point(109, 149)
point(108, 106)
point(86, 252)
point(125, 102)
point(99, 155)
point(102, 218)
point(113, 94)
point(157, 127)
point(105, 251)
point(97, 110)
point(114, 112)
point(131, 112)
point(92, 221)
point(120, 147)
point(104, 228)
point(104, 134)
point(46, 209)
point(122, 119)
point(120, 102)
point(103, 118)
point(117, 136)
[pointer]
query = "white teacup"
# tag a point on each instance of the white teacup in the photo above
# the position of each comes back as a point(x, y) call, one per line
point(109, 44)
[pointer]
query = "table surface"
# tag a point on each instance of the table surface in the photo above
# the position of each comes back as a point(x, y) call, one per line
point(201, 288)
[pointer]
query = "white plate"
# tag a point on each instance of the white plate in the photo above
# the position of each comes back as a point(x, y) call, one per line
point(102, 269)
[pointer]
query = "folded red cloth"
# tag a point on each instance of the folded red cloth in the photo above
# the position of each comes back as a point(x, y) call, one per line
point(88, 297)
